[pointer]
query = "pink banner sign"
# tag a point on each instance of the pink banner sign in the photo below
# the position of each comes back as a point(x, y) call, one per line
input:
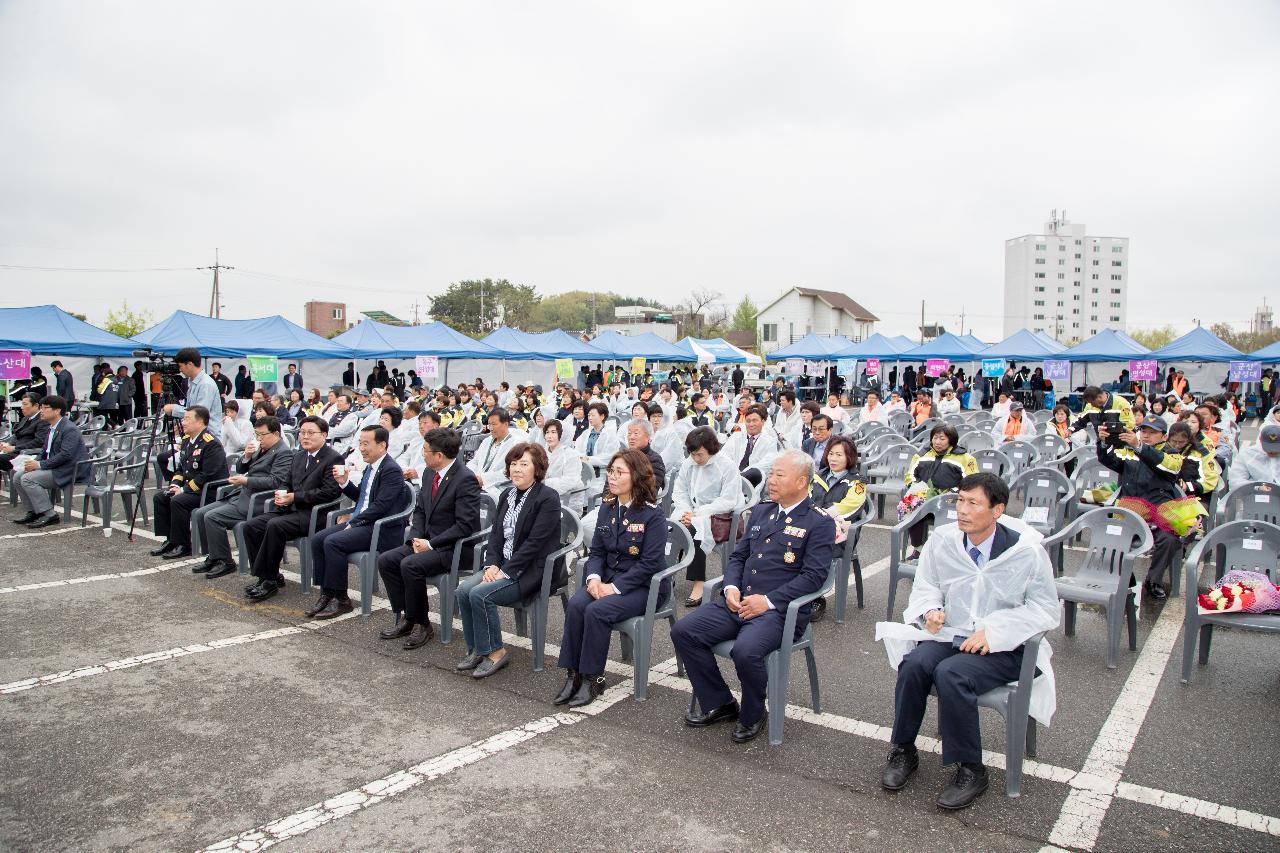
point(873, 366)
point(795, 366)
point(15, 364)
point(936, 366)
point(1056, 370)
point(1143, 369)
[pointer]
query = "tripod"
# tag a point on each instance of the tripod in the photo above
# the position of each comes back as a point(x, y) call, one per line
point(166, 398)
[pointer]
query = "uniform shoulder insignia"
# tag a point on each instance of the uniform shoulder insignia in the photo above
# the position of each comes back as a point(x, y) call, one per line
point(208, 436)
point(858, 487)
point(651, 504)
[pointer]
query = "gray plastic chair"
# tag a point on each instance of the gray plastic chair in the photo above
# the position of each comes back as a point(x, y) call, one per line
point(846, 560)
point(902, 423)
point(981, 416)
point(1050, 445)
point(893, 482)
point(1117, 537)
point(1045, 494)
point(778, 662)
point(258, 503)
point(319, 513)
point(470, 443)
point(1248, 545)
point(1252, 502)
point(113, 477)
point(1090, 474)
point(637, 632)
point(1022, 457)
point(992, 462)
point(977, 441)
point(955, 419)
point(926, 426)
point(538, 606)
point(446, 583)
point(940, 509)
point(367, 561)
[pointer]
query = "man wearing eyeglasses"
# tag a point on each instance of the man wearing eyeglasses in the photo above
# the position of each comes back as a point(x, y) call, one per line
point(262, 467)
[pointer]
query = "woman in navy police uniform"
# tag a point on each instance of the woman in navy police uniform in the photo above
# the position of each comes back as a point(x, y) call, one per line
point(628, 547)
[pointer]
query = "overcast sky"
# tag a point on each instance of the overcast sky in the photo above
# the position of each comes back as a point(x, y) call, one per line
point(373, 153)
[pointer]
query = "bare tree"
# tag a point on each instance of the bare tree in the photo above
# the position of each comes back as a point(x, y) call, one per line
point(699, 301)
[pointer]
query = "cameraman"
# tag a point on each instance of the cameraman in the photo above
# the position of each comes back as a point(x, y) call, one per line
point(1149, 469)
point(1098, 404)
point(202, 390)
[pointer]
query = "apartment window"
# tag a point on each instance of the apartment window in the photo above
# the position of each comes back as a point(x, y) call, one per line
point(1115, 304)
point(1117, 263)
point(1062, 247)
point(1039, 260)
point(1038, 317)
point(1076, 297)
point(1096, 263)
point(1115, 319)
point(1116, 277)
point(1093, 305)
point(1062, 262)
point(769, 331)
point(1075, 325)
point(1117, 249)
point(1061, 290)
point(1077, 256)
point(1040, 302)
point(1039, 288)
point(1075, 310)
point(1094, 318)
point(1039, 275)
point(1062, 275)
point(1115, 290)
point(337, 313)
point(1095, 290)
point(1078, 242)
point(1095, 247)
point(1095, 278)
point(1039, 247)
point(1077, 269)
point(1059, 303)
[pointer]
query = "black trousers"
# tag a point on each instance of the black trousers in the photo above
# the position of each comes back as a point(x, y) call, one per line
point(753, 476)
point(266, 535)
point(173, 515)
point(697, 570)
point(404, 575)
point(960, 678)
point(329, 550)
point(918, 532)
point(1166, 554)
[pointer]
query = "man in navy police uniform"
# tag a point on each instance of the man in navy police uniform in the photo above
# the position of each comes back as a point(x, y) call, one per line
point(785, 554)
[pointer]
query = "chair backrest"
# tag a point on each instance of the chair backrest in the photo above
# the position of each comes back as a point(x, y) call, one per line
point(955, 419)
point(134, 461)
point(991, 461)
point(1091, 474)
point(926, 425)
point(901, 422)
point(1251, 546)
point(1042, 416)
point(471, 443)
point(1050, 446)
point(898, 459)
point(1022, 455)
point(1045, 493)
point(871, 429)
point(979, 440)
point(879, 443)
point(750, 495)
point(1116, 537)
point(679, 542)
point(982, 416)
point(940, 508)
point(1252, 502)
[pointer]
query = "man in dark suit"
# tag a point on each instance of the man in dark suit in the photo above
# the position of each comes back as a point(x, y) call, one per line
point(28, 435)
point(447, 510)
point(349, 376)
point(140, 386)
point(56, 465)
point(381, 493)
point(64, 384)
point(737, 376)
point(201, 459)
point(786, 554)
point(819, 435)
point(263, 467)
point(292, 379)
point(990, 590)
point(310, 483)
point(244, 383)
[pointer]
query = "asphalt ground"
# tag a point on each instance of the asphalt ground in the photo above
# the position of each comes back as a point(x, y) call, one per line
point(145, 707)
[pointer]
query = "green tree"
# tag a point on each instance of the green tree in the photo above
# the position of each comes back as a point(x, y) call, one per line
point(1155, 338)
point(125, 323)
point(1248, 341)
point(478, 306)
point(744, 316)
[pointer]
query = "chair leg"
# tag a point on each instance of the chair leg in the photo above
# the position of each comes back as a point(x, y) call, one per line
point(1206, 638)
point(1189, 637)
point(304, 563)
point(1015, 740)
point(68, 498)
point(815, 689)
point(1031, 738)
point(1131, 617)
point(775, 696)
point(643, 653)
point(84, 510)
point(540, 634)
point(1069, 618)
point(841, 589)
point(857, 579)
point(448, 603)
point(368, 567)
point(893, 593)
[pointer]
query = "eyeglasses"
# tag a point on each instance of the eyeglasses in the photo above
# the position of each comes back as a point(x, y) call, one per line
point(262, 433)
point(309, 432)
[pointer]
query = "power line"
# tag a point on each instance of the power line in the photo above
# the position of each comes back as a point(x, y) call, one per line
point(97, 269)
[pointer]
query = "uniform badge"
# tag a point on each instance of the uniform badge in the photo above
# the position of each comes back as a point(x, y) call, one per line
point(789, 557)
point(633, 550)
point(858, 488)
point(635, 528)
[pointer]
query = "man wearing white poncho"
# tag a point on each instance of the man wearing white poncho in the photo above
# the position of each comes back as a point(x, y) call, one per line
point(984, 586)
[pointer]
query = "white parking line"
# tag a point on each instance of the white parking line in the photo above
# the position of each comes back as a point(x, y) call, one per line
point(109, 576)
point(52, 531)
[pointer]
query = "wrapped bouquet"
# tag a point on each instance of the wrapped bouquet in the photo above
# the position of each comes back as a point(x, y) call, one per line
point(917, 494)
point(1241, 592)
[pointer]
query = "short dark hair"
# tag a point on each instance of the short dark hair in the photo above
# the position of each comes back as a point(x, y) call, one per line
point(850, 451)
point(993, 487)
point(953, 437)
point(430, 413)
point(1182, 428)
point(500, 413)
point(444, 441)
point(380, 434)
point(553, 423)
point(644, 486)
point(55, 363)
point(827, 418)
point(702, 438)
point(200, 412)
point(319, 422)
point(757, 409)
point(271, 423)
point(601, 408)
point(537, 456)
point(53, 401)
point(788, 394)
point(811, 406)
point(33, 398)
point(397, 417)
point(1093, 392)
point(578, 404)
point(188, 355)
point(231, 406)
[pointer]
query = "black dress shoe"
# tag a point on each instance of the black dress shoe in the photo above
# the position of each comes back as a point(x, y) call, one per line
point(176, 551)
point(819, 610)
point(727, 711)
point(258, 581)
point(321, 603)
point(572, 681)
point(335, 607)
point(903, 761)
point(46, 521)
point(969, 783)
point(588, 691)
point(746, 734)
point(262, 591)
point(160, 549)
point(220, 569)
point(419, 636)
point(470, 662)
point(1155, 590)
point(26, 519)
point(401, 629)
point(488, 666)
point(206, 566)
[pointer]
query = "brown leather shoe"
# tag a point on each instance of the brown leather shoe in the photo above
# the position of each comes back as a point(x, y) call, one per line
point(334, 607)
point(422, 633)
point(321, 603)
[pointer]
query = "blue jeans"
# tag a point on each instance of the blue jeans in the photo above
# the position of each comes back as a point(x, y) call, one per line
point(478, 603)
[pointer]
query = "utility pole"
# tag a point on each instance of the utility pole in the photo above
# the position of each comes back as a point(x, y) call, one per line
point(593, 312)
point(481, 305)
point(416, 320)
point(962, 321)
point(922, 322)
point(215, 300)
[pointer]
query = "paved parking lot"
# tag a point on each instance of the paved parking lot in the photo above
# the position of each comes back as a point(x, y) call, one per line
point(147, 708)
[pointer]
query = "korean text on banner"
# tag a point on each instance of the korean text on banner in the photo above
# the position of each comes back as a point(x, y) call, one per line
point(795, 365)
point(1245, 371)
point(1143, 369)
point(263, 368)
point(936, 366)
point(15, 364)
point(993, 367)
point(846, 366)
point(1057, 370)
point(873, 367)
point(427, 367)
point(564, 369)
point(637, 364)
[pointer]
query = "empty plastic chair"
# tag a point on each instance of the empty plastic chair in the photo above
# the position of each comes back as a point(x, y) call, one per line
point(939, 509)
point(991, 462)
point(1252, 502)
point(1045, 493)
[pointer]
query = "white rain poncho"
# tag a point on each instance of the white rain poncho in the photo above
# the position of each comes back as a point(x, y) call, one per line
point(706, 490)
point(1012, 598)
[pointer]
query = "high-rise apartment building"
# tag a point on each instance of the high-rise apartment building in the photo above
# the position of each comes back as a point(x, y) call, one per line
point(1065, 283)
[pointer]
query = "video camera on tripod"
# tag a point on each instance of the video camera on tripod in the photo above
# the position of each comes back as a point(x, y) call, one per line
point(164, 367)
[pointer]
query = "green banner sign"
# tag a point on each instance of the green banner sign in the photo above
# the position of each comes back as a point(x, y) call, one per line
point(263, 368)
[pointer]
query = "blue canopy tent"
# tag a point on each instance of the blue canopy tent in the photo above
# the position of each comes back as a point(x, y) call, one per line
point(48, 330)
point(1269, 354)
point(1023, 346)
point(975, 340)
point(948, 346)
point(876, 346)
point(1199, 344)
point(813, 348)
point(716, 351)
point(543, 346)
point(1107, 345)
point(648, 345)
point(216, 338)
point(371, 339)
point(905, 342)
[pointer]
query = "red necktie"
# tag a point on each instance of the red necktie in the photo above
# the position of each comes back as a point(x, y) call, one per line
point(435, 483)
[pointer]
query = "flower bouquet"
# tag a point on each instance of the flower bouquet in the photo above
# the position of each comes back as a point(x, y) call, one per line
point(1241, 592)
point(1228, 598)
point(917, 494)
point(1180, 517)
point(1101, 495)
